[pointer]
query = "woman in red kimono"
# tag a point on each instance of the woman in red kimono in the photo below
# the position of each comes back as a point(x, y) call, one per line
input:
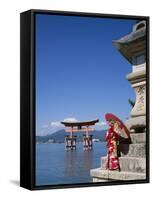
point(112, 139)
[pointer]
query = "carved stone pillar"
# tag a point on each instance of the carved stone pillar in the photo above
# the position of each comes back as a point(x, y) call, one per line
point(133, 48)
point(139, 108)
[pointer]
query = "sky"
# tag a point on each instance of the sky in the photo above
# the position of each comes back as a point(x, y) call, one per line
point(80, 75)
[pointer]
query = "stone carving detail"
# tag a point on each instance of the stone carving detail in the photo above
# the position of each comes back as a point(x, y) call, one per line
point(140, 101)
point(139, 108)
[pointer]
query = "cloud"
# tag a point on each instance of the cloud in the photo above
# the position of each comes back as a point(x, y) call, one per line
point(100, 125)
point(45, 126)
point(71, 119)
point(55, 126)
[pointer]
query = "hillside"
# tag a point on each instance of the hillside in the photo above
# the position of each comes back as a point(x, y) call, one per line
point(59, 136)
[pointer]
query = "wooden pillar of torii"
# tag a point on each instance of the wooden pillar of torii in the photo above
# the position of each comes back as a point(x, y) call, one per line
point(74, 127)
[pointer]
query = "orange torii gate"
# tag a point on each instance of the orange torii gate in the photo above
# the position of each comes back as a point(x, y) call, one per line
point(70, 140)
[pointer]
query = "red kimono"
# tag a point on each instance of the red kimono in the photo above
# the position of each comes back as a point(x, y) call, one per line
point(112, 157)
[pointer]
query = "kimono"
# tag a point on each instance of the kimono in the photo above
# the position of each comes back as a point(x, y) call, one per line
point(112, 153)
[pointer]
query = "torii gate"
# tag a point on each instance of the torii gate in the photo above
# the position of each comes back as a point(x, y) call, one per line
point(70, 140)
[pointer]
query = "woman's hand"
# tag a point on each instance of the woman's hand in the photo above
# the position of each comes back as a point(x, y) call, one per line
point(117, 128)
point(120, 130)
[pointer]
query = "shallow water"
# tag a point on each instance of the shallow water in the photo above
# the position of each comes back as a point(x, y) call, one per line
point(56, 166)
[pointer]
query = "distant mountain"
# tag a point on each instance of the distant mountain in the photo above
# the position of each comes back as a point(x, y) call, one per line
point(59, 136)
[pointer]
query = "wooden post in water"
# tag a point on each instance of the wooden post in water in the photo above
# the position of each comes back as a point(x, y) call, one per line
point(70, 140)
point(87, 139)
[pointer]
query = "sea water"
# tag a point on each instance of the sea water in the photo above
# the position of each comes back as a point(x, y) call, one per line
point(55, 165)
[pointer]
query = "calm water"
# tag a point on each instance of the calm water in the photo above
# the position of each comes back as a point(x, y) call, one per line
point(54, 165)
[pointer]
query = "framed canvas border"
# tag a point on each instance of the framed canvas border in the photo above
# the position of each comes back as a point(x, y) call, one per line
point(28, 99)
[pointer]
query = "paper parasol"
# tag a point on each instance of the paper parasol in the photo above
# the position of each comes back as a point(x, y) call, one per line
point(119, 126)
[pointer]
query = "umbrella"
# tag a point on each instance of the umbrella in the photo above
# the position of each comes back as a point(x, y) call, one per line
point(119, 126)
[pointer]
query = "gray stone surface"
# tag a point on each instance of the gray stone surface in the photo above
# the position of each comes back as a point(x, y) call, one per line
point(135, 122)
point(138, 138)
point(133, 150)
point(131, 164)
point(136, 75)
point(100, 174)
point(99, 180)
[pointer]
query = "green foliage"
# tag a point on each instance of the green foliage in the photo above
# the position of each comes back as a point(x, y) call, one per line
point(131, 102)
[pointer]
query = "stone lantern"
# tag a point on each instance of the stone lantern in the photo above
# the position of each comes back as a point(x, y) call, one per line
point(133, 156)
point(133, 48)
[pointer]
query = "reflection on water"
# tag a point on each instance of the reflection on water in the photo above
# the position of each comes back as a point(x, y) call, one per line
point(70, 163)
point(76, 164)
point(87, 159)
point(54, 165)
